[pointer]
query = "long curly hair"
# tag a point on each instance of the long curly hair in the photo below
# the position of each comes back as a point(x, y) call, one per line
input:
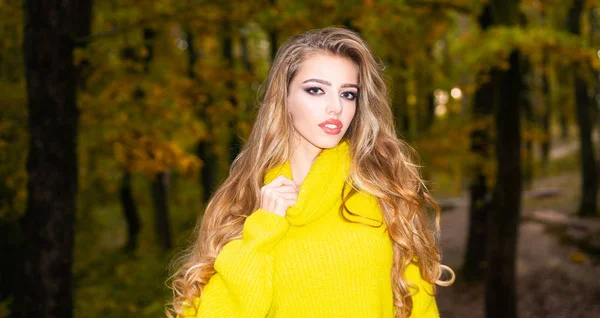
point(382, 165)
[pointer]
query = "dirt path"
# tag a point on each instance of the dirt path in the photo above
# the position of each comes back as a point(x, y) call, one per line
point(554, 279)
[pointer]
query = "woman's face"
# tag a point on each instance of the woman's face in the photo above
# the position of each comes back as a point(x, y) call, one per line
point(322, 100)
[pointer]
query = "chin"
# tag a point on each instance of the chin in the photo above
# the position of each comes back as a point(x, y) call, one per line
point(327, 143)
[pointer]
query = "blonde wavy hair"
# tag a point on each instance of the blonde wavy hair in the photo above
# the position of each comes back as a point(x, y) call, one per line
point(382, 165)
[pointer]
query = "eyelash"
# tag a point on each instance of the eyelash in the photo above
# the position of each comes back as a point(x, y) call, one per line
point(354, 95)
point(317, 90)
point(314, 90)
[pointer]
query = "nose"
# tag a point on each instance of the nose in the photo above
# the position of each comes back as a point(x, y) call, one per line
point(334, 106)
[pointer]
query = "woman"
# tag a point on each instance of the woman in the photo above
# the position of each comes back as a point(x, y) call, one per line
point(323, 213)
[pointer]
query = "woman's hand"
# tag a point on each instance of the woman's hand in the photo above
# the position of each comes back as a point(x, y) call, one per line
point(278, 195)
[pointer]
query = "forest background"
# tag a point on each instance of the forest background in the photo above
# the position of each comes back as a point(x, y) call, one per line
point(119, 118)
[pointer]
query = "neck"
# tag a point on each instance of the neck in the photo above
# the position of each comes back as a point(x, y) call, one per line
point(303, 157)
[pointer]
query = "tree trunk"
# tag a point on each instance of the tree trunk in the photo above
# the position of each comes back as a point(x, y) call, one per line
point(204, 151)
point(159, 184)
point(546, 143)
point(235, 144)
point(192, 54)
point(530, 125)
point(589, 186)
point(161, 211)
point(245, 107)
point(564, 125)
point(46, 284)
point(149, 35)
point(246, 53)
point(273, 36)
point(208, 175)
point(429, 110)
point(130, 212)
point(474, 263)
point(479, 203)
point(400, 107)
point(428, 97)
point(274, 43)
point(503, 221)
point(11, 241)
point(128, 204)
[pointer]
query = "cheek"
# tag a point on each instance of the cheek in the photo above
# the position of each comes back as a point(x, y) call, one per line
point(300, 109)
point(350, 113)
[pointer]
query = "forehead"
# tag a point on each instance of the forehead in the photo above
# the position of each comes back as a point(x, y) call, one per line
point(333, 68)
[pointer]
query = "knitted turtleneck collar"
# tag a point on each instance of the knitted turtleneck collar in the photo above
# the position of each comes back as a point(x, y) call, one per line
point(322, 187)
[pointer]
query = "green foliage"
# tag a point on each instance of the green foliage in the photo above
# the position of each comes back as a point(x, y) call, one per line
point(496, 44)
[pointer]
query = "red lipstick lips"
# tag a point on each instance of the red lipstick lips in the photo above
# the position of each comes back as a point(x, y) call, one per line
point(332, 126)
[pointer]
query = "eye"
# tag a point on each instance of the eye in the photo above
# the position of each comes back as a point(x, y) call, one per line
point(314, 90)
point(349, 95)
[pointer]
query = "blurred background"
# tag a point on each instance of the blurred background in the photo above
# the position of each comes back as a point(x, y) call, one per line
point(119, 118)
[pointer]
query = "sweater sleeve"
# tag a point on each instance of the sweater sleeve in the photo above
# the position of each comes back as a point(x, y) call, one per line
point(424, 305)
point(242, 285)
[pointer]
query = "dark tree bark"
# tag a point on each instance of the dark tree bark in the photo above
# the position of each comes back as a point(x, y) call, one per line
point(564, 126)
point(159, 184)
point(430, 110)
point(479, 204)
point(46, 284)
point(506, 203)
point(128, 204)
point(192, 54)
point(546, 143)
point(149, 35)
point(594, 27)
point(235, 143)
point(530, 121)
point(161, 211)
point(273, 35)
point(274, 43)
point(246, 53)
point(404, 120)
point(503, 221)
point(400, 107)
point(399, 102)
point(204, 151)
point(243, 107)
point(474, 263)
point(589, 186)
point(208, 175)
point(428, 96)
point(11, 241)
point(130, 212)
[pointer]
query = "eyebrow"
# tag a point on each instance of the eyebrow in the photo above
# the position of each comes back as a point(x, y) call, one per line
point(324, 82)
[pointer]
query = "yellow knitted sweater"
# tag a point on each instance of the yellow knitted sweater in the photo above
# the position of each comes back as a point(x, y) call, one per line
point(312, 263)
